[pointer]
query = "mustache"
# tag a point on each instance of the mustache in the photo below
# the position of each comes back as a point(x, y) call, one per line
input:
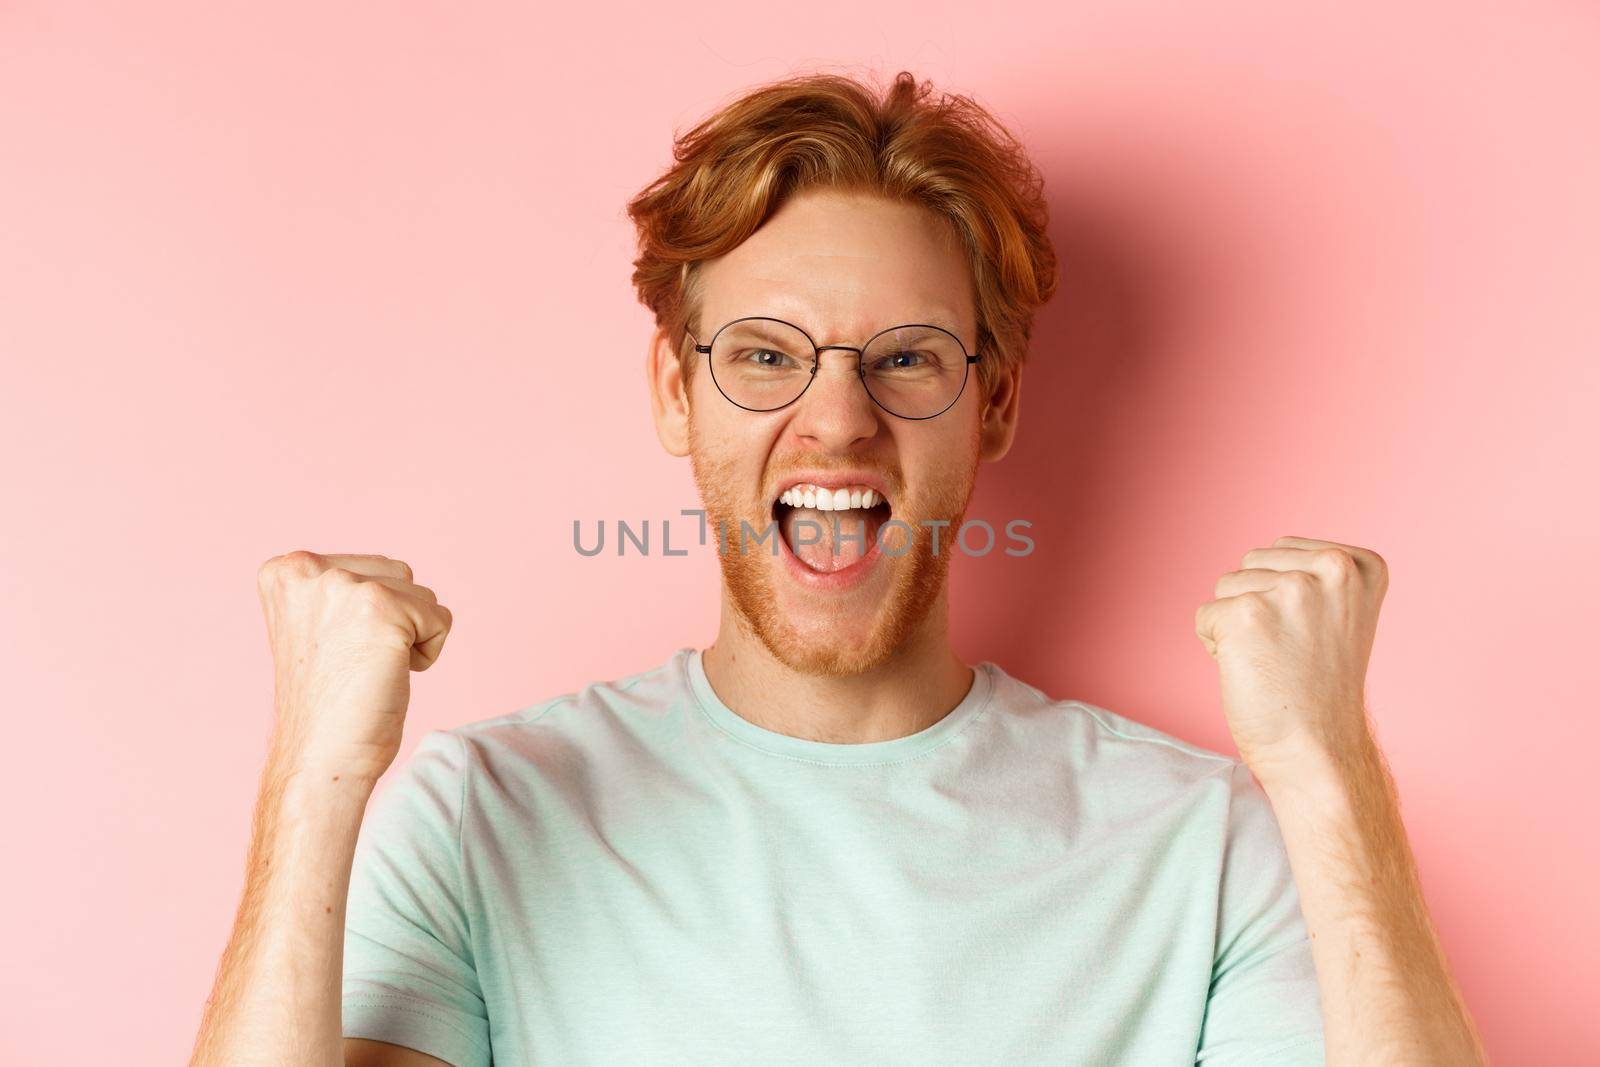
point(890, 475)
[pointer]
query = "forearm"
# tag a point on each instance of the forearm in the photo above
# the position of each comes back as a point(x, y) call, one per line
point(277, 994)
point(1386, 989)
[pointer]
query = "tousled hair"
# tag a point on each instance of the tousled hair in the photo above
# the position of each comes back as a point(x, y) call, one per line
point(736, 168)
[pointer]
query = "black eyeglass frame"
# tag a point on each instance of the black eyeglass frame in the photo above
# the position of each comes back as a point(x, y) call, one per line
point(816, 362)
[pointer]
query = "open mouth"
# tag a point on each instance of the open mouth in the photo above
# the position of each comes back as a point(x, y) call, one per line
point(830, 528)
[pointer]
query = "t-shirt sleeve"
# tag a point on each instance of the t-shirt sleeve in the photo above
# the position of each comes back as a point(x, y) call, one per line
point(1263, 1007)
point(409, 977)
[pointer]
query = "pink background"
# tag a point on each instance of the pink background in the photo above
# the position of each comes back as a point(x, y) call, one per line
point(354, 277)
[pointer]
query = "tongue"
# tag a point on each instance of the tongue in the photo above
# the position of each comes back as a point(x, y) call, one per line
point(837, 538)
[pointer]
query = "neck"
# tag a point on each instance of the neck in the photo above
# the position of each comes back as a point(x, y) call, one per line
point(915, 687)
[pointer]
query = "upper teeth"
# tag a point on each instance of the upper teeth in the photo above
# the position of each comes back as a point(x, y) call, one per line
point(825, 499)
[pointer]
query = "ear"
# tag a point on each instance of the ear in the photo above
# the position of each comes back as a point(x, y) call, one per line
point(669, 394)
point(1001, 410)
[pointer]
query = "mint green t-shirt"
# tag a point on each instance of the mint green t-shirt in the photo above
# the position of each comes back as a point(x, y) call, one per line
point(634, 874)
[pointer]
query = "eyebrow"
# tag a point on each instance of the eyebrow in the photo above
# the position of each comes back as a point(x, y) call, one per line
point(939, 318)
point(756, 330)
point(935, 317)
point(933, 320)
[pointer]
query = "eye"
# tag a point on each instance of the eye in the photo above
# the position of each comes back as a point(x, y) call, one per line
point(900, 361)
point(767, 357)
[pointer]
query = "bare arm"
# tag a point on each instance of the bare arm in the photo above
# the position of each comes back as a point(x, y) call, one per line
point(276, 998)
point(1292, 633)
point(1387, 993)
point(346, 631)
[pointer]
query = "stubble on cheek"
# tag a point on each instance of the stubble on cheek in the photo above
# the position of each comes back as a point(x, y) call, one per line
point(748, 586)
point(919, 574)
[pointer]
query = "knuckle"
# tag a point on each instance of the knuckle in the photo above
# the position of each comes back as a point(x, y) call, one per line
point(301, 562)
point(336, 576)
point(373, 592)
point(371, 599)
point(1337, 562)
point(1299, 582)
point(288, 567)
point(1254, 610)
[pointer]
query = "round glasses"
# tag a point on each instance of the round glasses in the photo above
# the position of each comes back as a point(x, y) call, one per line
point(914, 371)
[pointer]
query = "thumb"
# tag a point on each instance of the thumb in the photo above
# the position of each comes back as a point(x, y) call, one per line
point(1204, 621)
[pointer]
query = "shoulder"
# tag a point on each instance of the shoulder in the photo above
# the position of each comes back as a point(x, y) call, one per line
point(593, 717)
point(1096, 738)
point(1125, 758)
point(1128, 773)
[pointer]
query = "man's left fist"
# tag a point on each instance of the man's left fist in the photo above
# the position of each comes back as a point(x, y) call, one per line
point(1291, 633)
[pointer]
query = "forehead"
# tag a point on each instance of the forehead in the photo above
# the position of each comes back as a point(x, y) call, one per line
point(842, 266)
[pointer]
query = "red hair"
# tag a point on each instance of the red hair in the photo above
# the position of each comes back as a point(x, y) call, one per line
point(736, 168)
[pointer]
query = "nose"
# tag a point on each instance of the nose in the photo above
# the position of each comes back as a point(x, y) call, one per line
point(835, 410)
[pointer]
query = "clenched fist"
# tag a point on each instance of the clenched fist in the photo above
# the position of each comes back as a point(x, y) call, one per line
point(346, 631)
point(1292, 632)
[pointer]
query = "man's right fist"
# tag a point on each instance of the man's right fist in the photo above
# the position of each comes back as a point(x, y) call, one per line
point(346, 631)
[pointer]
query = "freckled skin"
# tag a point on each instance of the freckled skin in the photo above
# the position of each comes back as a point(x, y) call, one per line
point(842, 267)
point(834, 637)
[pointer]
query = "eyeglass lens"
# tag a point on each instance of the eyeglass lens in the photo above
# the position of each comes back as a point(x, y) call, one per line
point(912, 371)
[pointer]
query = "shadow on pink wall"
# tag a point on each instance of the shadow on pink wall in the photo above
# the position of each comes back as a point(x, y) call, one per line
point(1098, 469)
point(1106, 328)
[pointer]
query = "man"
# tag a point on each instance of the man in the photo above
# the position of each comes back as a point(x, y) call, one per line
point(825, 839)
